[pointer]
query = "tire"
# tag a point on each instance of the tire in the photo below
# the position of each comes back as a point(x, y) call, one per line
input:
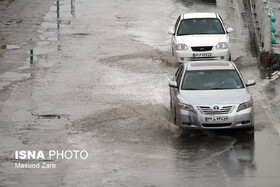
point(229, 57)
point(184, 131)
point(249, 129)
point(174, 113)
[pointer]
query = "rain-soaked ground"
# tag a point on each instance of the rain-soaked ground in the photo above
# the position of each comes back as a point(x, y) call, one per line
point(99, 82)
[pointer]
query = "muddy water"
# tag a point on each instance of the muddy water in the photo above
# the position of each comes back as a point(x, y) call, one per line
point(135, 142)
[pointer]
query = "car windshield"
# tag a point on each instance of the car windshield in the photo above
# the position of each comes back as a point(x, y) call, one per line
point(212, 80)
point(200, 26)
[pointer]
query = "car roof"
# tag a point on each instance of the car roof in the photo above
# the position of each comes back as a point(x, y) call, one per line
point(210, 65)
point(199, 15)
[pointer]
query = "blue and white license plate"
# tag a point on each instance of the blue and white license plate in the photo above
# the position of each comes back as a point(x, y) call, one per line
point(215, 119)
point(201, 55)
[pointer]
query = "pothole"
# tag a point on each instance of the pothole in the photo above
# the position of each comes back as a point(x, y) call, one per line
point(80, 35)
point(50, 116)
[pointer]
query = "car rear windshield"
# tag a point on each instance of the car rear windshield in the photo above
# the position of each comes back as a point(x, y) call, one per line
point(200, 26)
point(212, 80)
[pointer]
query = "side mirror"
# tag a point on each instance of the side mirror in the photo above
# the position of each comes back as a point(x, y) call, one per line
point(173, 84)
point(250, 83)
point(229, 30)
point(171, 31)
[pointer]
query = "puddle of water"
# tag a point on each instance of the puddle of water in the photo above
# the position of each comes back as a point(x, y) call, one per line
point(59, 13)
point(42, 43)
point(49, 31)
point(35, 58)
point(52, 39)
point(9, 77)
point(23, 66)
point(3, 84)
point(13, 76)
point(48, 25)
point(42, 37)
point(41, 50)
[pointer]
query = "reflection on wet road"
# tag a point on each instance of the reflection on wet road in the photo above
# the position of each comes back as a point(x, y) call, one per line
point(139, 142)
point(218, 154)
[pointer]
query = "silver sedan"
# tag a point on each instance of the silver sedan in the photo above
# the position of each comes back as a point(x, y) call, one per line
point(211, 95)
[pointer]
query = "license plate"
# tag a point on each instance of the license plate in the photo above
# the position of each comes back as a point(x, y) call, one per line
point(201, 54)
point(215, 119)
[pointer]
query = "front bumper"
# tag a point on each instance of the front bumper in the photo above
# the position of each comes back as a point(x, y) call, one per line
point(197, 120)
point(189, 55)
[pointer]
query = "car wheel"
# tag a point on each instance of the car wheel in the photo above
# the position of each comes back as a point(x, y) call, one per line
point(183, 131)
point(249, 129)
point(229, 57)
point(172, 51)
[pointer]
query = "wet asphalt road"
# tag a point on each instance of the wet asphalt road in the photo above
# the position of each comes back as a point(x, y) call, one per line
point(104, 67)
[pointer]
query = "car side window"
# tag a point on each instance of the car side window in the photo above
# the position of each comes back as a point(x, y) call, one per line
point(177, 22)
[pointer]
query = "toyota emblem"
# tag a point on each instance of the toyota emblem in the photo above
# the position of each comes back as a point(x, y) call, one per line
point(216, 107)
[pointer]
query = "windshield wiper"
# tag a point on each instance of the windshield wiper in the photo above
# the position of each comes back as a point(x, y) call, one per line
point(220, 88)
point(191, 89)
point(206, 33)
point(184, 34)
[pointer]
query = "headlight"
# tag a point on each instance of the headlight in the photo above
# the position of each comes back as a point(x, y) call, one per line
point(186, 107)
point(244, 106)
point(222, 45)
point(181, 47)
